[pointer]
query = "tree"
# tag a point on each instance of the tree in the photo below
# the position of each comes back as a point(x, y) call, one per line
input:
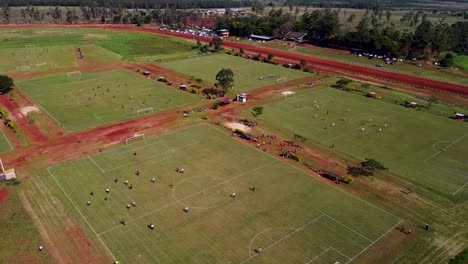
point(241, 51)
point(431, 100)
point(6, 84)
point(258, 7)
point(225, 80)
point(217, 43)
point(343, 82)
point(6, 13)
point(372, 165)
point(367, 168)
point(270, 57)
point(303, 63)
point(388, 15)
point(448, 60)
point(257, 110)
point(460, 258)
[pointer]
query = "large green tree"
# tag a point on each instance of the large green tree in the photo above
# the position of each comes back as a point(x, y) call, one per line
point(225, 80)
point(6, 84)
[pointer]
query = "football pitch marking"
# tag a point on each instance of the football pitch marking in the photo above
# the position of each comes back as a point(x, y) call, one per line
point(81, 214)
point(95, 163)
point(456, 172)
point(279, 240)
point(447, 147)
point(275, 160)
point(8, 141)
point(371, 244)
point(189, 196)
point(323, 252)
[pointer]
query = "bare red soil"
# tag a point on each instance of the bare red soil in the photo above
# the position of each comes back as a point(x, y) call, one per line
point(3, 195)
point(357, 69)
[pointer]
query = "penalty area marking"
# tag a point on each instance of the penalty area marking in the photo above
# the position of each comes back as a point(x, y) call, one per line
point(371, 244)
point(461, 188)
point(281, 239)
point(447, 147)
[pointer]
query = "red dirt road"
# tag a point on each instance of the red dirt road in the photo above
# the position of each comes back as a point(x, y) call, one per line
point(356, 69)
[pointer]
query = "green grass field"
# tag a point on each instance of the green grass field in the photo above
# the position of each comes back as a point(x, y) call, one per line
point(422, 147)
point(246, 72)
point(100, 98)
point(5, 144)
point(461, 61)
point(294, 217)
point(127, 45)
point(37, 58)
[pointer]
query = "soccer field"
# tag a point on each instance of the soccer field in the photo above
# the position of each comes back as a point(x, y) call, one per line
point(292, 216)
point(248, 74)
point(424, 148)
point(32, 58)
point(101, 98)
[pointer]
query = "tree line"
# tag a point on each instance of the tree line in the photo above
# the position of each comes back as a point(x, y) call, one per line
point(179, 4)
point(374, 33)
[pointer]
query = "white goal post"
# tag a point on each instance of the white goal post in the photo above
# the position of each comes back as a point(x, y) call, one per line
point(145, 111)
point(75, 75)
point(282, 79)
point(23, 68)
point(135, 137)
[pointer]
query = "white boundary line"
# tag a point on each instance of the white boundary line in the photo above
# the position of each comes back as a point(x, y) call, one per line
point(448, 146)
point(338, 222)
point(9, 143)
point(266, 230)
point(97, 165)
point(323, 252)
point(189, 196)
point(314, 178)
point(461, 188)
point(84, 218)
point(285, 237)
point(362, 251)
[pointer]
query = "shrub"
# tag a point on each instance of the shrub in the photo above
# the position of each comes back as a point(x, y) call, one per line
point(447, 61)
point(295, 157)
point(239, 132)
point(346, 179)
point(297, 67)
point(460, 258)
point(307, 70)
point(256, 111)
point(216, 105)
point(286, 65)
point(204, 117)
point(194, 91)
point(198, 80)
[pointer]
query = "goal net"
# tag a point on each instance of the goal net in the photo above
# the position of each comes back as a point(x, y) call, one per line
point(282, 79)
point(136, 137)
point(75, 75)
point(23, 68)
point(144, 111)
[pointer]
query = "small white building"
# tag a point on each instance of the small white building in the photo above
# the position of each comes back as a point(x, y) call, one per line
point(242, 97)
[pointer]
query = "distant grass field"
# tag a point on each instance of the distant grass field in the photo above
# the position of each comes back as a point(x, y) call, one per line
point(461, 61)
point(37, 58)
point(424, 148)
point(129, 45)
point(5, 144)
point(294, 217)
point(247, 73)
point(100, 98)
